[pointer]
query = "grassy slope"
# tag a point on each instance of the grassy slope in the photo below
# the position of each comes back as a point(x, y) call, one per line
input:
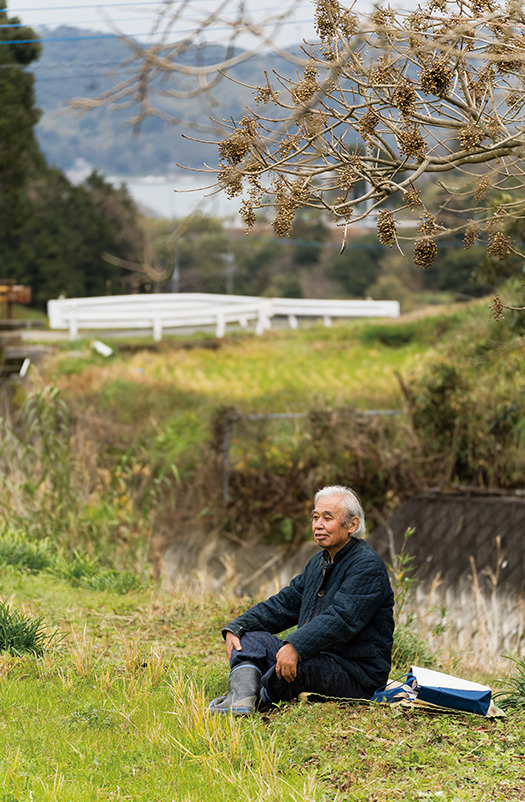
point(118, 712)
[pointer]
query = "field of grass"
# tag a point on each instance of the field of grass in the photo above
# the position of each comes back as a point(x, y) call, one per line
point(152, 415)
point(113, 439)
point(281, 371)
point(160, 401)
point(117, 710)
point(104, 454)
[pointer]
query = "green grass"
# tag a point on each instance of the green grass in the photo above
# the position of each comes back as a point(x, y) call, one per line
point(279, 371)
point(117, 710)
point(349, 364)
point(423, 331)
point(21, 634)
point(160, 404)
point(18, 550)
point(22, 312)
point(512, 692)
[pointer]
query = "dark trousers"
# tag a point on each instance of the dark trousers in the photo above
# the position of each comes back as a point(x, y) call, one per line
point(321, 674)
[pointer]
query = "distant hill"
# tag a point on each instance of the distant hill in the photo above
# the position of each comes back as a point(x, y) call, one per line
point(72, 67)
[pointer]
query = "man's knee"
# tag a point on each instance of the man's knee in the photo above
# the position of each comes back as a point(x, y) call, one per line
point(257, 647)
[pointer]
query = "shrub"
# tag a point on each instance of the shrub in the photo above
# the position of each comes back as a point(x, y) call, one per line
point(410, 649)
point(397, 334)
point(83, 571)
point(116, 581)
point(512, 693)
point(74, 569)
point(52, 461)
point(393, 336)
point(18, 550)
point(20, 634)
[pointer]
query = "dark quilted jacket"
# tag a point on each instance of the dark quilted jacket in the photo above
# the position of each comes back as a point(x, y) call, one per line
point(342, 608)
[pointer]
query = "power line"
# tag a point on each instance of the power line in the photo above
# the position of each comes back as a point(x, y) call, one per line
point(135, 36)
point(106, 6)
point(103, 6)
point(90, 36)
point(69, 24)
point(62, 65)
point(59, 39)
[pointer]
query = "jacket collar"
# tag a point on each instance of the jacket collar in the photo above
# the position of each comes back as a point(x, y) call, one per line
point(341, 553)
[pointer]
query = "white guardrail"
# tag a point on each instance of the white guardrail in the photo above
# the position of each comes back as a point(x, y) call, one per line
point(161, 312)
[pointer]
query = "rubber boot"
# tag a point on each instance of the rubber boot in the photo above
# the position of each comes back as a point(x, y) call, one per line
point(243, 693)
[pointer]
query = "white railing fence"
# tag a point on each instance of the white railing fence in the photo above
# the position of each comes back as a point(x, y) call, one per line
point(162, 312)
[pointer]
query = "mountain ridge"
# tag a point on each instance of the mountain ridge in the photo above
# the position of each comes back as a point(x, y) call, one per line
point(104, 137)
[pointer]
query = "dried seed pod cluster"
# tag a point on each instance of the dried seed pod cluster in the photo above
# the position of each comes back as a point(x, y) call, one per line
point(470, 137)
point(386, 227)
point(472, 234)
point(405, 97)
point(497, 308)
point(288, 198)
point(412, 198)
point(499, 245)
point(425, 251)
point(436, 78)
point(411, 141)
point(235, 147)
point(482, 187)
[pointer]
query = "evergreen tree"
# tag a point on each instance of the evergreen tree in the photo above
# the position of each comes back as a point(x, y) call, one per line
point(62, 244)
point(19, 151)
point(52, 234)
point(357, 268)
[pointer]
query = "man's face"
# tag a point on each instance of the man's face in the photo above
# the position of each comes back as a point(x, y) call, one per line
point(327, 525)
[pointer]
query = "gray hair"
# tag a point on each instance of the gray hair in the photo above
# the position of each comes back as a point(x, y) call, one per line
point(350, 503)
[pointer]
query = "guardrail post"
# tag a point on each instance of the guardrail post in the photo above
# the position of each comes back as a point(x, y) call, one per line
point(157, 329)
point(73, 328)
point(268, 314)
point(259, 327)
point(292, 321)
point(264, 319)
point(220, 328)
point(327, 320)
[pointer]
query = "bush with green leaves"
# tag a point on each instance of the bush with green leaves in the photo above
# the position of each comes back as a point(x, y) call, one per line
point(512, 692)
point(75, 568)
point(466, 405)
point(80, 570)
point(120, 582)
point(22, 552)
point(20, 634)
point(410, 649)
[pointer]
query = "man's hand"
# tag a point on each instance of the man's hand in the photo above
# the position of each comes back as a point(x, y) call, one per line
point(287, 659)
point(232, 642)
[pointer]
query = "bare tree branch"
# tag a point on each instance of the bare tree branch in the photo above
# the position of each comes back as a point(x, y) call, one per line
point(168, 70)
point(383, 103)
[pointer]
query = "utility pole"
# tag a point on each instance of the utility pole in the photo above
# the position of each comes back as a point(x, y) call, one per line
point(229, 259)
point(175, 276)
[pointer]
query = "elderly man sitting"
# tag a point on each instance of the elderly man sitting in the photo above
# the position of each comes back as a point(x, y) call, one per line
point(342, 605)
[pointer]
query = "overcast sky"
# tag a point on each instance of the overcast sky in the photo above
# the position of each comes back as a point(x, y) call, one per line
point(137, 18)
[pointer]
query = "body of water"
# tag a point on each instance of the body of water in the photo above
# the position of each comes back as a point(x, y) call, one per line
point(173, 196)
point(177, 195)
